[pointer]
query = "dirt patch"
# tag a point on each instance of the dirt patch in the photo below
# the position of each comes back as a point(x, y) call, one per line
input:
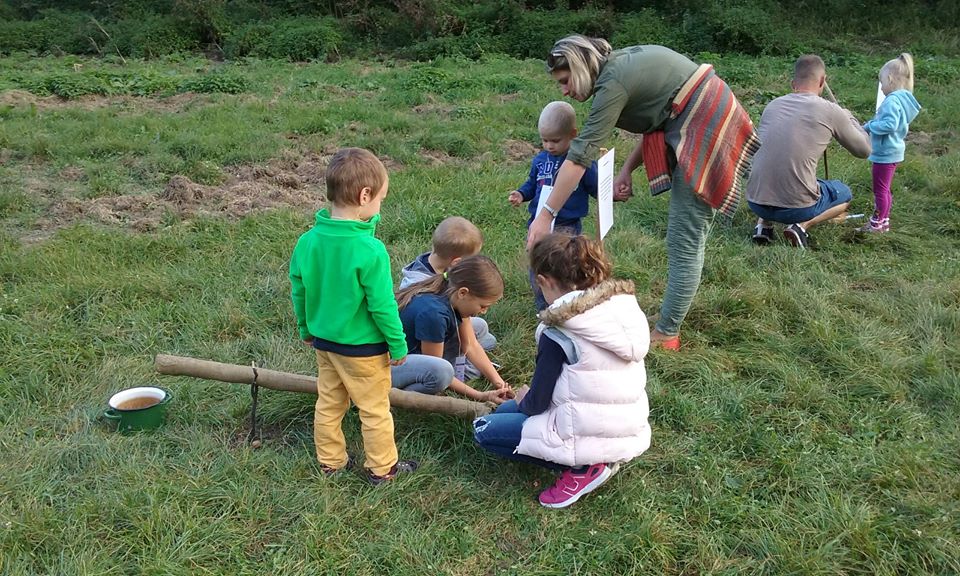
point(436, 157)
point(175, 103)
point(295, 182)
point(431, 108)
point(519, 150)
point(931, 143)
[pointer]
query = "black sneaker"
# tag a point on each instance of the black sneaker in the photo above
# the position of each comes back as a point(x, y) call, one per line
point(797, 236)
point(762, 235)
point(400, 467)
point(330, 471)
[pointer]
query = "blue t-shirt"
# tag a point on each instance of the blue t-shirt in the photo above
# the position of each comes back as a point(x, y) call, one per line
point(431, 318)
point(543, 172)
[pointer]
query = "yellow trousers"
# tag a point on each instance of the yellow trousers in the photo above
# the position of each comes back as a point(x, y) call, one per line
point(366, 381)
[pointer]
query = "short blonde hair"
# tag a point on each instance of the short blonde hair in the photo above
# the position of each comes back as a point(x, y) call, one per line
point(897, 74)
point(583, 57)
point(350, 171)
point(557, 119)
point(456, 237)
point(808, 69)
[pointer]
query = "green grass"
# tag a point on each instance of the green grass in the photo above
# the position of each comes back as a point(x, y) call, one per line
point(810, 425)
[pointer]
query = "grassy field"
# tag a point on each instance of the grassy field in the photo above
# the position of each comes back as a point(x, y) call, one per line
point(810, 425)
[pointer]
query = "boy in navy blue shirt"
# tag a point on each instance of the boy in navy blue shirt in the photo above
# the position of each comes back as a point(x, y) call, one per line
point(558, 127)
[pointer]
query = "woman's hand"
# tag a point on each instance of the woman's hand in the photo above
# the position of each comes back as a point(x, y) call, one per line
point(539, 228)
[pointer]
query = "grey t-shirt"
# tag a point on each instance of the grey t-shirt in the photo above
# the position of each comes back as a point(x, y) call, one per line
point(794, 131)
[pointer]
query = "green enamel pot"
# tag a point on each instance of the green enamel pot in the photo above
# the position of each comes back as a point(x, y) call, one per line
point(141, 408)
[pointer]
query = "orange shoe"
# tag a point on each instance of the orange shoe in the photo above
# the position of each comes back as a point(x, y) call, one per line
point(660, 340)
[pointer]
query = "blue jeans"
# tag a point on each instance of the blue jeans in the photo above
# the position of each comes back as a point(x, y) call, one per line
point(832, 193)
point(499, 433)
point(423, 374)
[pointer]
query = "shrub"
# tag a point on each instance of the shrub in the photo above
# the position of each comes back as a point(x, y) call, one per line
point(643, 27)
point(151, 35)
point(223, 80)
point(292, 39)
point(54, 31)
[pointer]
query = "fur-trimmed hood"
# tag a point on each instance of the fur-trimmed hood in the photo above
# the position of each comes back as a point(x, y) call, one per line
point(606, 315)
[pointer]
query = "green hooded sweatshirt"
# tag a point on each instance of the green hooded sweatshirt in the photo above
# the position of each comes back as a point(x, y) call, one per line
point(342, 287)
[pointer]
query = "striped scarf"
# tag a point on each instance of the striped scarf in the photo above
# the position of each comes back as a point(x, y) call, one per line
point(717, 143)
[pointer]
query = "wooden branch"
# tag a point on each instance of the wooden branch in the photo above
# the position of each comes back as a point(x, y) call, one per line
point(234, 373)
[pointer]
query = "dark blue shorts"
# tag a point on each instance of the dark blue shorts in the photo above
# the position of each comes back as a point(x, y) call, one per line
point(832, 193)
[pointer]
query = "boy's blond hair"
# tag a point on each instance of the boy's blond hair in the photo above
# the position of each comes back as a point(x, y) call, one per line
point(557, 119)
point(351, 170)
point(897, 74)
point(456, 237)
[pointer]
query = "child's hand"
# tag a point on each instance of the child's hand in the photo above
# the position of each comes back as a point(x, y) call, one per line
point(308, 341)
point(622, 188)
point(502, 385)
point(398, 362)
point(521, 392)
point(496, 396)
point(515, 198)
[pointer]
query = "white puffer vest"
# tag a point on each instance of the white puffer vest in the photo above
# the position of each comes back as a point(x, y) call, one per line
point(599, 410)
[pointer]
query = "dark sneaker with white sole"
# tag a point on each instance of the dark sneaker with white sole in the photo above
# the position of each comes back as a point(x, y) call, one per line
point(762, 235)
point(797, 236)
point(401, 467)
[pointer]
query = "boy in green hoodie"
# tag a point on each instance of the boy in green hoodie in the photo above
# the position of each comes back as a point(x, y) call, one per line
point(343, 299)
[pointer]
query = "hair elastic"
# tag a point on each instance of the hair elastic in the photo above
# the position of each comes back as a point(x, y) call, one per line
point(444, 275)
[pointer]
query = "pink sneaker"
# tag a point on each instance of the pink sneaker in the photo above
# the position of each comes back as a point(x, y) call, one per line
point(571, 486)
point(875, 226)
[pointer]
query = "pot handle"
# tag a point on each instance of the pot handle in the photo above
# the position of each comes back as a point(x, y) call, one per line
point(111, 414)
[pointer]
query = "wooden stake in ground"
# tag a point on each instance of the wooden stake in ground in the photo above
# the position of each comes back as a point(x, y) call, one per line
point(234, 373)
point(830, 97)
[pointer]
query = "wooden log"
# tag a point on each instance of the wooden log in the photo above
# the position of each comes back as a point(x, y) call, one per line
point(235, 373)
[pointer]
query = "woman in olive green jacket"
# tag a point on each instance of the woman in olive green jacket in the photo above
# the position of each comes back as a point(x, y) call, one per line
point(705, 139)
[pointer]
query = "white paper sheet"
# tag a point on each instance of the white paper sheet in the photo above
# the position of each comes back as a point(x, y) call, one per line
point(545, 192)
point(880, 96)
point(605, 192)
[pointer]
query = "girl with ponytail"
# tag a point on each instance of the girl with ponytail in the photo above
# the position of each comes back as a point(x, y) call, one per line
point(585, 412)
point(887, 132)
point(439, 345)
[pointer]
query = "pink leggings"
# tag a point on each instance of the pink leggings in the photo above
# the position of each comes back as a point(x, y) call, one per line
point(882, 197)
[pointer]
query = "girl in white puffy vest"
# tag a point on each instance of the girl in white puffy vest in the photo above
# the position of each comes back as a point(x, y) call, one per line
point(585, 412)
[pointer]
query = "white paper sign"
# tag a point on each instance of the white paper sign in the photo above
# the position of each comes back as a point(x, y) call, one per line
point(545, 192)
point(605, 192)
point(880, 96)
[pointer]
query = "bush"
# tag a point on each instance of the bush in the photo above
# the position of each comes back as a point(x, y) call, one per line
point(55, 31)
point(751, 28)
point(151, 35)
point(644, 27)
point(293, 39)
point(223, 80)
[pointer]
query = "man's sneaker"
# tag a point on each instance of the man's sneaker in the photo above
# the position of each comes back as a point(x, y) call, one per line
point(796, 235)
point(875, 226)
point(762, 235)
point(329, 471)
point(571, 486)
point(400, 467)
